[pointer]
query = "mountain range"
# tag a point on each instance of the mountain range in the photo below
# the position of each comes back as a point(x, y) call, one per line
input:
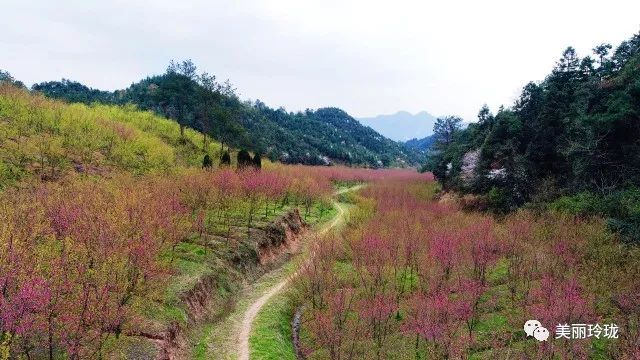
point(402, 125)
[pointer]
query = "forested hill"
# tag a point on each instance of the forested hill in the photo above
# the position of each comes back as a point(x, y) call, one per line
point(317, 137)
point(571, 142)
point(320, 137)
point(421, 145)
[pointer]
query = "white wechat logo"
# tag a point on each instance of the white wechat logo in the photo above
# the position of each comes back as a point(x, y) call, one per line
point(534, 328)
point(541, 334)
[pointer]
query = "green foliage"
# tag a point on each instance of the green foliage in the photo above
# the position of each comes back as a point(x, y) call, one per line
point(327, 134)
point(498, 200)
point(447, 150)
point(421, 145)
point(621, 209)
point(47, 138)
point(225, 160)
point(73, 91)
point(257, 161)
point(244, 159)
point(5, 348)
point(271, 335)
point(445, 130)
point(199, 102)
point(582, 203)
point(206, 161)
point(5, 77)
point(573, 134)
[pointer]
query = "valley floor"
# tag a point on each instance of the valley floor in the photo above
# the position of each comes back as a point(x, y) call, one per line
point(413, 276)
point(235, 337)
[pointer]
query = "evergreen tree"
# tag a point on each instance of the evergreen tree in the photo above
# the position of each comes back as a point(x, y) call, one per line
point(225, 159)
point(244, 159)
point(572, 139)
point(445, 130)
point(5, 76)
point(257, 161)
point(206, 162)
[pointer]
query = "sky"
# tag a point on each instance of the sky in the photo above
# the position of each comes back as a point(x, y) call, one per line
point(366, 57)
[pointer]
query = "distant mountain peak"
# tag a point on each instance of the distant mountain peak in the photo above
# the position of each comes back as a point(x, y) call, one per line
point(402, 125)
point(401, 112)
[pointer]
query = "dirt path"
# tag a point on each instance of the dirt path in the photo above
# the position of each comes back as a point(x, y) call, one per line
point(252, 311)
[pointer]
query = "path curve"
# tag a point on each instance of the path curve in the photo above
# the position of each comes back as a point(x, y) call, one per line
point(253, 310)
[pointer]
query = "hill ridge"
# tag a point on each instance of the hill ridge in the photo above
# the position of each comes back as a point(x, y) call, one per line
point(331, 135)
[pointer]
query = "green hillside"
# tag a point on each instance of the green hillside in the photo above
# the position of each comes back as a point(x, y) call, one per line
point(320, 137)
point(569, 142)
point(46, 138)
point(422, 145)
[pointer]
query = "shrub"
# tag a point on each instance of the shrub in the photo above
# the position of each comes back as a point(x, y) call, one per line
point(244, 159)
point(225, 159)
point(620, 208)
point(498, 200)
point(206, 162)
point(257, 161)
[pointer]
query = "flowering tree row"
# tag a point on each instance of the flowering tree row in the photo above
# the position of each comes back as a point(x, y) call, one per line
point(73, 258)
point(414, 278)
point(348, 174)
point(76, 256)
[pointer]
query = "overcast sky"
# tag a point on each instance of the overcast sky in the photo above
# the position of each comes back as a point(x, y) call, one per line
point(367, 57)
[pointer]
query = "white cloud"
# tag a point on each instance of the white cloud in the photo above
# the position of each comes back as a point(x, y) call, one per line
point(368, 57)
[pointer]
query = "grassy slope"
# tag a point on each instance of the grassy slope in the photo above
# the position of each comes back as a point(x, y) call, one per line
point(46, 138)
point(42, 138)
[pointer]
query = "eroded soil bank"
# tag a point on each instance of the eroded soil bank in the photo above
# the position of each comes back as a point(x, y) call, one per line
point(263, 249)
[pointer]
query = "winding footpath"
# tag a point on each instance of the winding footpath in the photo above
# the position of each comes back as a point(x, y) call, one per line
point(252, 311)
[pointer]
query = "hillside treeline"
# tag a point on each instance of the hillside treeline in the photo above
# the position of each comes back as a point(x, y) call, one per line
point(199, 101)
